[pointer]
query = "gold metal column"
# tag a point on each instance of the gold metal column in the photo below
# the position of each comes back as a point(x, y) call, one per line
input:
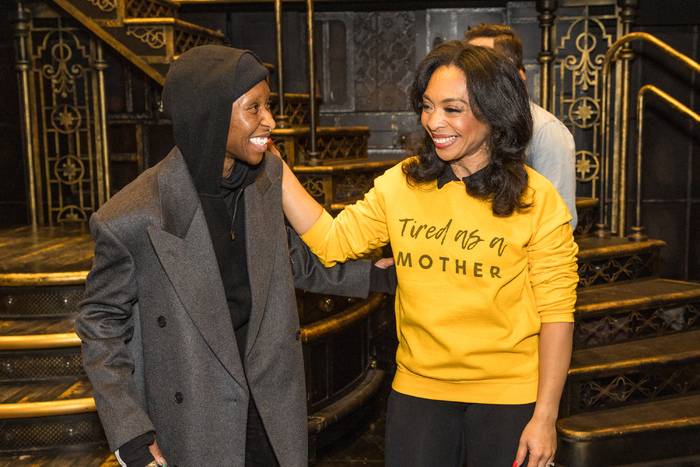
point(23, 65)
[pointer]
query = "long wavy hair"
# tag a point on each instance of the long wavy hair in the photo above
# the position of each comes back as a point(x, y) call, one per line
point(497, 97)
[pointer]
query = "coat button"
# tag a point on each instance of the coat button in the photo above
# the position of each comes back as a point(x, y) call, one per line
point(298, 335)
point(179, 397)
point(162, 321)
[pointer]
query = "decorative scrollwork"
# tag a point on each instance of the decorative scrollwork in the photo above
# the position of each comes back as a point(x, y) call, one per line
point(65, 119)
point(154, 36)
point(587, 166)
point(104, 5)
point(72, 214)
point(62, 79)
point(315, 186)
point(584, 112)
point(69, 169)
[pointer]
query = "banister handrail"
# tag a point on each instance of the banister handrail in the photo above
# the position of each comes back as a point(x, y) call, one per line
point(604, 103)
point(638, 230)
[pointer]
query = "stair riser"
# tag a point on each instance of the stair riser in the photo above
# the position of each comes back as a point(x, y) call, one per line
point(616, 390)
point(619, 325)
point(41, 365)
point(629, 448)
point(27, 435)
point(615, 269)
point(39, 302)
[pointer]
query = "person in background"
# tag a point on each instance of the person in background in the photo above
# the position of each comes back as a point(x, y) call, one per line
point(189, 324)
point(552, 151)
point(486, 268)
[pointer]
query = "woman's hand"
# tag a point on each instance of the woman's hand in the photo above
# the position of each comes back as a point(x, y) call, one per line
point(539, 439)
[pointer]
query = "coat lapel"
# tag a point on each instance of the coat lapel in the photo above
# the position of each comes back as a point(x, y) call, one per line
point(184, 248)
point(261, 205)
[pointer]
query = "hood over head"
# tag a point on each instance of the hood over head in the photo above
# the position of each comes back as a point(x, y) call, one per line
point(200, 89)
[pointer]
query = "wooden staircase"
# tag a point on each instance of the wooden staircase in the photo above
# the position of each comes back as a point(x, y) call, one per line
point(633, 392)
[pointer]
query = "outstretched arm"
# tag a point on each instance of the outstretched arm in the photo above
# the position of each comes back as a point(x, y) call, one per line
point(301, 210)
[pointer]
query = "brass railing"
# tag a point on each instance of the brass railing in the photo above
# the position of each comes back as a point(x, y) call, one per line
point(637, 230)
point(619, 217)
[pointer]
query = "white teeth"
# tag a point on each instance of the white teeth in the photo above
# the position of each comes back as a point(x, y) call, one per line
point(259, 141)
point(444, 140)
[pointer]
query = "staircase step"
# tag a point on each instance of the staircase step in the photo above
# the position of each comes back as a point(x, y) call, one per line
point(333, 145)
point(40, 416)
point(296, 107)
point(39, 302)
point(623, 373)
point(644, 432)
point(94, 456)
point(604, 261)
point(336, 185)
point(631, 310)
point(31, 393)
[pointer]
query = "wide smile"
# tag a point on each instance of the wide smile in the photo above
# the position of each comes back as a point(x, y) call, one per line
point(260, 142)
point(443, 142)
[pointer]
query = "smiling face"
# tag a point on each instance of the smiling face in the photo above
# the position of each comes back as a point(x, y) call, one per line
point(250, 127)
point(460, 138)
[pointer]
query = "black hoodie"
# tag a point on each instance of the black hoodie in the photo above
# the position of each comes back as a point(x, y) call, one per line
point(199, 92)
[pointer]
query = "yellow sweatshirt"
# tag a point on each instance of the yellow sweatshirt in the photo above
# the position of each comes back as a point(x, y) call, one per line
point(473, 288)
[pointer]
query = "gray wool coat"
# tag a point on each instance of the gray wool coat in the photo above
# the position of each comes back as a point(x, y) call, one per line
point(157, 340)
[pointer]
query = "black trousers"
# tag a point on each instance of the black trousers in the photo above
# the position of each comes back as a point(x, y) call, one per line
point(258, 450)
point(430, 433)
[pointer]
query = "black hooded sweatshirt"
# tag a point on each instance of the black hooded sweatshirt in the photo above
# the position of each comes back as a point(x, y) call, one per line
point(199, 91)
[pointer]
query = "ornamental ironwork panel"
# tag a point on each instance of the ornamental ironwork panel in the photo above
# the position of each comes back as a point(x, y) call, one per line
point(149, 9)
point(612, 328)
point(620, 389)
point(582, 36)
point(620, 268)
point(64, 110)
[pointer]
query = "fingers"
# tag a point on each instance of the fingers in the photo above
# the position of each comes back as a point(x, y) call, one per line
point(270, 146)
point(520, 454)
point(384, 263)
point(155, 452)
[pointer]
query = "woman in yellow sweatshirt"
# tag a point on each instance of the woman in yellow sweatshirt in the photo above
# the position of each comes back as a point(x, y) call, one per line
point(486, 268)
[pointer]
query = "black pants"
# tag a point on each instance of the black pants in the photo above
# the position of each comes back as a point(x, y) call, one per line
point(424, 432)
point(258, 450)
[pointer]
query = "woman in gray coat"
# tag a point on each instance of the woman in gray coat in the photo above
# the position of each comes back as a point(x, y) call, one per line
point(189, 323)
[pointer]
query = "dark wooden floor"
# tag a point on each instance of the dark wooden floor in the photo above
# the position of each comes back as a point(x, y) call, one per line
point(47, 250)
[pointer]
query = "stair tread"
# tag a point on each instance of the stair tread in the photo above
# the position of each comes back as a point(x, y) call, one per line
point(630, 294)
point(345, 166)
point(591, 248)
point(48, 254)
point(684, 346)
point(43, 327)
point(586, 202)
point(45, 391)
point(320, 130)
point(678, 412)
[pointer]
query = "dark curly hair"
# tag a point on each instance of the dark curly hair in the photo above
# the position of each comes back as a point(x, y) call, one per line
point(497, 97)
